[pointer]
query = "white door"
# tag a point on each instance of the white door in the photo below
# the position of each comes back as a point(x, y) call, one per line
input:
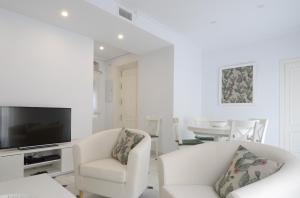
point(290, 106)
point(128, 104)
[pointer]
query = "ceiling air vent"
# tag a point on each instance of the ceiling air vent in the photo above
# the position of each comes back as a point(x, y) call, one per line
point(125, 14)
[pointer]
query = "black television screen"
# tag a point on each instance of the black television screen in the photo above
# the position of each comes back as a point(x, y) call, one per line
point(32, 126)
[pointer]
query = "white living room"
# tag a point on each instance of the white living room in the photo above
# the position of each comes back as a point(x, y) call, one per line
point(149, 99)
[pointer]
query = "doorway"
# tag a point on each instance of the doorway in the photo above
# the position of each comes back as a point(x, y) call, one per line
point(128, 95)
point(290, 106)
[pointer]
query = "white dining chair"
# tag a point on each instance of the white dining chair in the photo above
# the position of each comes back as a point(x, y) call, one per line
point(202, 121)
point(178, 136)
point(199, 120)
point(153, 128)
point(260, 129)
point(242, 130)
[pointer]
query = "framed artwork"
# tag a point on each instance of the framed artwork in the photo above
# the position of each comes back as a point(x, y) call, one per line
point(236, 84)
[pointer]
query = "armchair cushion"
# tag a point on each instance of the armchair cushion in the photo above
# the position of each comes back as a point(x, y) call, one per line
point(190, 191)
point(106, 169)
point(245, 168)
point(126, 141)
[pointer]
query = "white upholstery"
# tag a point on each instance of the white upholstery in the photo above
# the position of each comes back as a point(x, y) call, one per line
point(201, 166)
point(98, 173)
point(106, 169)
point(188, 191)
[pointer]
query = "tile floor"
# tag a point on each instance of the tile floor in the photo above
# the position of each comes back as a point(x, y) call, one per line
point(68, 180)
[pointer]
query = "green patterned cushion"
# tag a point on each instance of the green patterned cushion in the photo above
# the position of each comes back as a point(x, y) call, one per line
point(126, 141)
point(245, 169)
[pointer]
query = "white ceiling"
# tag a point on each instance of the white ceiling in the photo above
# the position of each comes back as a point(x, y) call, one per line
point(88, 20)
point(108, 53)
point(223, 23)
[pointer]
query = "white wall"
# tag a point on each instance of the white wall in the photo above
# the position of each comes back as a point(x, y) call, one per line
point(42, 65)
point(155, 92)
point(187, 84)
point(267, 56)
point(187, 71)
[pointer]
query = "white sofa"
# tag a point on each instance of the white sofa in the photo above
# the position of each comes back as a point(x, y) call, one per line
point(192, 172)
point(98, 173)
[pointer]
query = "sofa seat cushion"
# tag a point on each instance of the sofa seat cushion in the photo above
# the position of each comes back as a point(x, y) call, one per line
point(106, 169)
point(190, 191)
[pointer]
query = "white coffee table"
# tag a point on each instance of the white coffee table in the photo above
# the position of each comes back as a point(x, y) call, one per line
point(40, 186)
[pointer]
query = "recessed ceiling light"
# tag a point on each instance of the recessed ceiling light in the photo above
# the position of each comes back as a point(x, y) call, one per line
point(64, 13)
point(260, 6)
point(101, 48)
point(120, 36)
point(213, 22)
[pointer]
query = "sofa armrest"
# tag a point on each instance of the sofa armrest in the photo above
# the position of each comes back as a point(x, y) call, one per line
point(284, 183)
point(138, 166)
point(94, 147)
point(196, 165)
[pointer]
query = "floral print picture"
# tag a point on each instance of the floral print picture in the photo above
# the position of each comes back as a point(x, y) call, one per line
point(237, 85)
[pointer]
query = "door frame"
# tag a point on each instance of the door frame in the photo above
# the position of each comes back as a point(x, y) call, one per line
point(283, 136)
point(132, 65)
point(116, 103)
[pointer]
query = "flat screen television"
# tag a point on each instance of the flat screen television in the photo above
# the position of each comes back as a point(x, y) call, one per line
point(34, 126)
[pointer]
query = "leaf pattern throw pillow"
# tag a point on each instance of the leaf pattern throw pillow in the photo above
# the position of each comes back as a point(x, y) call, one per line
point(126, 141)
point(245, 168)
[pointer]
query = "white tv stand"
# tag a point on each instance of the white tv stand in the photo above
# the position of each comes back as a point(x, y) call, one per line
point(12, 162)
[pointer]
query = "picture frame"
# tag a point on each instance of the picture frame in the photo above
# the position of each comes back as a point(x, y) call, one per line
point(237, 84)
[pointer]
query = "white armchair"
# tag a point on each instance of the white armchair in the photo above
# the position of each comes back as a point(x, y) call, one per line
point(97, 172)
point(193, 171)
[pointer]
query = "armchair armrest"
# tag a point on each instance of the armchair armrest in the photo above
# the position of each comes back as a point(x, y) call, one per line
point(284, 183)
point(94, 147)
point(138, 166)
